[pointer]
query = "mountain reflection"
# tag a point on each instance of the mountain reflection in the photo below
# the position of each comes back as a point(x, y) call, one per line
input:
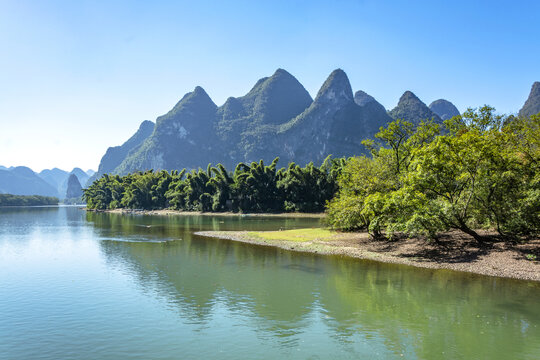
point(432, 314)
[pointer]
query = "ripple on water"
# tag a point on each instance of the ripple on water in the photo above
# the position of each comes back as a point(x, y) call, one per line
point(139, 240)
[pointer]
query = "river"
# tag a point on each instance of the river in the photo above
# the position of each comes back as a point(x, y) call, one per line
point(82, 285)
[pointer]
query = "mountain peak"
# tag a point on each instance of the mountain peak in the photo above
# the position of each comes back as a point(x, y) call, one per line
point(336, 88)
point(362, 98)
point(375, 114)
point(444, 108)
point(74, 188)
point(281, 72)
point(199, 89)
point(532, 105)
point(408, 96)
point(273, 100)
point(279, 76)
point(199, 92)
point(411, 108)
point(23, 171)
point(144, 125)
point(198, 97)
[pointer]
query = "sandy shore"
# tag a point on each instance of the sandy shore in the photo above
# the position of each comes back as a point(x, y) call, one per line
point(192, 213)
point(455, 252)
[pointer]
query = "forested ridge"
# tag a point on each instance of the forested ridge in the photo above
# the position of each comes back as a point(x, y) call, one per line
point(27, 200)
point(474, 171)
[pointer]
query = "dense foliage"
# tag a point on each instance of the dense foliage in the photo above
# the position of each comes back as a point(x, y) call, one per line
point(478, 170)
point(254, 187)
point(26, 200)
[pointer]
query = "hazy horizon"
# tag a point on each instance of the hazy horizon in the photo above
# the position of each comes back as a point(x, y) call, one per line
point(80, 77)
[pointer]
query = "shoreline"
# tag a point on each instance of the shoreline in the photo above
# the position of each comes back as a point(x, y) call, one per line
point(456, 252)
point(166, 212)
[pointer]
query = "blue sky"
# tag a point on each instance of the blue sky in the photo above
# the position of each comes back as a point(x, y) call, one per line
point(79, 76)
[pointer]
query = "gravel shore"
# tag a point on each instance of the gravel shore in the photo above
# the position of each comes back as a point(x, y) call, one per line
point(455, 251)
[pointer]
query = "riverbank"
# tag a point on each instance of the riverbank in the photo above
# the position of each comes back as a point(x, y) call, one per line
point(455, 251)
point(167, 212)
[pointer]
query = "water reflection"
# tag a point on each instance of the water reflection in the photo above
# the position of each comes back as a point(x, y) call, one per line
point(423, 313)
point(147, 287)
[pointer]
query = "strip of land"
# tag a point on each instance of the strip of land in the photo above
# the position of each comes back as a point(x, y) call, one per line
point(455, 251)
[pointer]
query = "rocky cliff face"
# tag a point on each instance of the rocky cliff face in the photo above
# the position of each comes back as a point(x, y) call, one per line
point(411, 108)
point(184, 137)
point(374, 113)
point(444, 108)
point(332, 124)
point(249, 120)
point(116, 154)
point(532, 105)
point(277, 117)
point(74, 188)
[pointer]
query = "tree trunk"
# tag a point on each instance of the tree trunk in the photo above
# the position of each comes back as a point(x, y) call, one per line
point(479, 239)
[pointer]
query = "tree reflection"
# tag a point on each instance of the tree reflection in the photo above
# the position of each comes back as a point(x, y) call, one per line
point(420, 313)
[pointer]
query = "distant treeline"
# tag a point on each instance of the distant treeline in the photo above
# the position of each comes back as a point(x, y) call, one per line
point(254, 187)
point(27, 200)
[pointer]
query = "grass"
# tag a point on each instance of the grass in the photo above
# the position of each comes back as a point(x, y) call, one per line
point(298, 235)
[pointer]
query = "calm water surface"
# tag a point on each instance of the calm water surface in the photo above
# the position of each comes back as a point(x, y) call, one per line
point(77, 285)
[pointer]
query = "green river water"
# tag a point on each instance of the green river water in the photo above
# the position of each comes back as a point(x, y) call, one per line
point(78, 285)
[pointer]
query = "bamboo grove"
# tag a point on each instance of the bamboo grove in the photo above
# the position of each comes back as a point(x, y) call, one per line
point(254, 187)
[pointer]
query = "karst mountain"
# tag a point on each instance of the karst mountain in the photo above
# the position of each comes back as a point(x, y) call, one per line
point(277, 117)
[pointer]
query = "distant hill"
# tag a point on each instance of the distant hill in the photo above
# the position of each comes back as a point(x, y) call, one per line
point(444, 108)
point(532, 105)
point(411, 108)
point(82, 176)
point(74, 188)
point(55, 177)
point(21, 180)
point(59, 178)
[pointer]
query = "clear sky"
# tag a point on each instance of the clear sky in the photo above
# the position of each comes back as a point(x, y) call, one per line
point(79, 76)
